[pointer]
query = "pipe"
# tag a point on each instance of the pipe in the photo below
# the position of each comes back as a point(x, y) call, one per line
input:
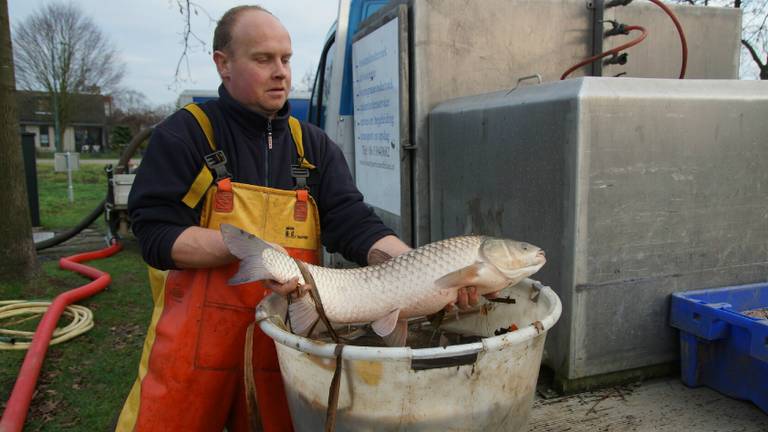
point(18, 403)
point(66, 235)
point(616, 50)
point(680, 32)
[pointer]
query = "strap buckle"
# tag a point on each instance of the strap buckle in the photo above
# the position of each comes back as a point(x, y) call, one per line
point(217, 162)
point(300, 174)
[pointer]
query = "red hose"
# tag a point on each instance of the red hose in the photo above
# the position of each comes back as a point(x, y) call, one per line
point(680, 32)
point(616, 50)
point(18, 404)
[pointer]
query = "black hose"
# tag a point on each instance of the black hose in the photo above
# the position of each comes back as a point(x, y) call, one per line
point(66, 235)
point(122, 165)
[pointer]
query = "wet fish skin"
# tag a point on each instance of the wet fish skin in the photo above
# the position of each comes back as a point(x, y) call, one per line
point(420, 282)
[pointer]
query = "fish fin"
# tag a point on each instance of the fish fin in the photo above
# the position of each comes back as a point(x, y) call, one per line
point(251, 269)
point(386, 324)
point(303, 314)
point(462, 277)
point(399, 334)
point(242, 243)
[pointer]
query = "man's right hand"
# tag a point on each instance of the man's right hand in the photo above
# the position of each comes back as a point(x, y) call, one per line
point(284, 289)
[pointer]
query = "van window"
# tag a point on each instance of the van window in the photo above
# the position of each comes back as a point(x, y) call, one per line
point(322, 88)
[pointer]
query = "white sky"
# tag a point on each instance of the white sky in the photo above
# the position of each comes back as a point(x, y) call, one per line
point(147, 34)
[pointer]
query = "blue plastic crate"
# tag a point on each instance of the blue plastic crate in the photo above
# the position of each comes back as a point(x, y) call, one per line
point(719, 346)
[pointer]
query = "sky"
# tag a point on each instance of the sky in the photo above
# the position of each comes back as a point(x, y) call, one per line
point(148, 36)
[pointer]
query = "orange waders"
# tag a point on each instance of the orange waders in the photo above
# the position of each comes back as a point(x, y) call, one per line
point(191, 371)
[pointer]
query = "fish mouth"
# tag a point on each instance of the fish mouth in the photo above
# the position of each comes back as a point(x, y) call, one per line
point(520, 273)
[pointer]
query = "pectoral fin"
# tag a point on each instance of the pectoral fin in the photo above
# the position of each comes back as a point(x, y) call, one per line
point(386, 324)
point(303, 314)
point(467, 276)
point(399, 334)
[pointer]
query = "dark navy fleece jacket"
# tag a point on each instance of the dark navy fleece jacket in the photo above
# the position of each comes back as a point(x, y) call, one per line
point(175, 156)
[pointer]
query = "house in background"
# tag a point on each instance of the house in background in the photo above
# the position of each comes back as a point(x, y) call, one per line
point(87, 128)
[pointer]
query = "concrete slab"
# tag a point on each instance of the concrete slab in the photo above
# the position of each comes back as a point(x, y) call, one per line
point(662, 405)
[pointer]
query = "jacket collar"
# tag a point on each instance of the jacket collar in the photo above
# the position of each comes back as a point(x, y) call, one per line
point(251, 122)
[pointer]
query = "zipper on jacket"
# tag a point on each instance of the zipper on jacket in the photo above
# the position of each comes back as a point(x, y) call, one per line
point(269, 148)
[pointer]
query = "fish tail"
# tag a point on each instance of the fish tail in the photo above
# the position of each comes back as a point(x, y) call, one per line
point(249, 249)
point(251, 269)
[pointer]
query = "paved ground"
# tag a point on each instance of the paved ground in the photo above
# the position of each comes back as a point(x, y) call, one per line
point(662, 405)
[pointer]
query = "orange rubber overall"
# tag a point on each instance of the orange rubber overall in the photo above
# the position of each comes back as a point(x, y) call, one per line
point(191, 371)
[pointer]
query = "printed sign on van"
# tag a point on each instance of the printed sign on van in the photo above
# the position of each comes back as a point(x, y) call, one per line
point(376, 89)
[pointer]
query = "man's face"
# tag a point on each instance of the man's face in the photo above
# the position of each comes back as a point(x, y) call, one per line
point(255, 65)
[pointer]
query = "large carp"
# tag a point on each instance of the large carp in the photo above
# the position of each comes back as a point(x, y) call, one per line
point(420, 282)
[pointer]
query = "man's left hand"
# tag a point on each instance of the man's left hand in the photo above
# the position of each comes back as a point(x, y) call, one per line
point(467, 298)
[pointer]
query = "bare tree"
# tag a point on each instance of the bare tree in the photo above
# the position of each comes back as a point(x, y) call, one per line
point(61, 51)
point(17, 252)
point(190, 40)
point(131, 113)
point(754, 35)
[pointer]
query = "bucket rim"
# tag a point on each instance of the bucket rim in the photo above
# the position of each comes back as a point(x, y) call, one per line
point(368, 353)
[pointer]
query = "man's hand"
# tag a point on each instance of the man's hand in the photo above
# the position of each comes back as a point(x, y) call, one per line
point(467, 298)
point(284, 289)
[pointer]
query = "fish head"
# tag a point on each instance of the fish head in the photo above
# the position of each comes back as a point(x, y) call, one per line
point(516, 260)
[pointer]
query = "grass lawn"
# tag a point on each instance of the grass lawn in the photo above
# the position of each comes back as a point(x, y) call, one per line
point(83, 381)
point(89, 186)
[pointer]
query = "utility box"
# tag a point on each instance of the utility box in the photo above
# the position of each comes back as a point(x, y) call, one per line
point(67, 161)
point(635, 188)
point(122, 184)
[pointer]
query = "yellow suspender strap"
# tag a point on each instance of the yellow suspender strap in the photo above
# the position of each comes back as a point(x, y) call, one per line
point(295, 126)
point(204, 177)
point(204, 122)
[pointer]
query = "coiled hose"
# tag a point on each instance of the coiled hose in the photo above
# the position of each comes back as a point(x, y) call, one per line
point(82, 321)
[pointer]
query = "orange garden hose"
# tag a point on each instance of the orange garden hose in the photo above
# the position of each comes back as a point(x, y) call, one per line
point(18, 404)
point(616, 50)
point(680, 32)
point(675, 21)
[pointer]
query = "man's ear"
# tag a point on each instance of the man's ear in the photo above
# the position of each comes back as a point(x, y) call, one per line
point(222, 64)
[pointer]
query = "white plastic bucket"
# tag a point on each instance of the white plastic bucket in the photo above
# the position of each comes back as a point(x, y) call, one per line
point(483, 386)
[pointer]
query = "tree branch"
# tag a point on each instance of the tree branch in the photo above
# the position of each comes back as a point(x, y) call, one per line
point(753, 53)
point(186, 9)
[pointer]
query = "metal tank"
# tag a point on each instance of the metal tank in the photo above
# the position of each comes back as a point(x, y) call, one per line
point(636, 188)
point(457, 48)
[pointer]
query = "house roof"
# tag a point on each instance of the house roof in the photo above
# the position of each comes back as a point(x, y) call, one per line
point(36, 107)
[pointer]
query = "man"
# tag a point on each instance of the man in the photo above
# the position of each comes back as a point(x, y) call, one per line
point(281, 181)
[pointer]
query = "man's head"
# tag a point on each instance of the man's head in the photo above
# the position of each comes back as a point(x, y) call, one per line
point(252, 51)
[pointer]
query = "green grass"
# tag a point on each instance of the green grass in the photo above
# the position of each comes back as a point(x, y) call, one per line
point(89, 185)
point(84, 381)
point(106, 154)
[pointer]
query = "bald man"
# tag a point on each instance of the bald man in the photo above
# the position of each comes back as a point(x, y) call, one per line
point(240, 159)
